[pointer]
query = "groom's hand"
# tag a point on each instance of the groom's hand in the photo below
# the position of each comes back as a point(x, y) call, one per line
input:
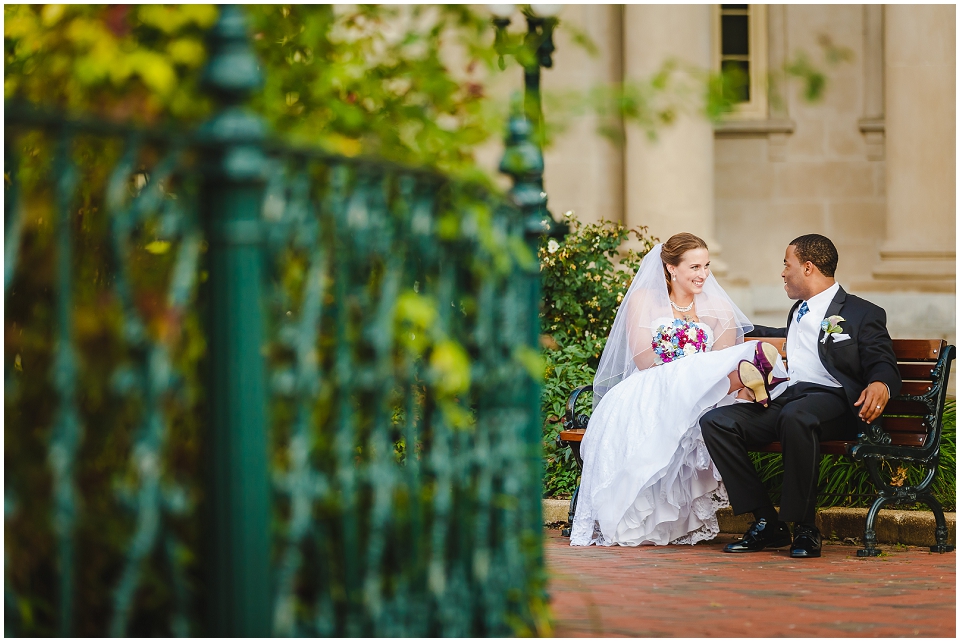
point(872, 401)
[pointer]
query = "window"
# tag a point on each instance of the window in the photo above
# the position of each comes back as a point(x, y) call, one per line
point(740, 43)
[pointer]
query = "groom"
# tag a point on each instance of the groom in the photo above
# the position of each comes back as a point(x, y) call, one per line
point(838, 379)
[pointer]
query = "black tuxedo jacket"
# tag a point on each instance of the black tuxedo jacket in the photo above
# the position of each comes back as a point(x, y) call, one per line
point(865, 357)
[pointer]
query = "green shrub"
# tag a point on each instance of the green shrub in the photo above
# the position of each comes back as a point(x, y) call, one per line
point(584, 279)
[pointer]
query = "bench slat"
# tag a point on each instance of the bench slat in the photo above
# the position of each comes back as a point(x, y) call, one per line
point(918, 349)
point(841, 447)
point(916, 388)
point(915, 371)
point(905, 424)
point(900, 407)
point(907, 439)
point(826, 447)
point(572, 435)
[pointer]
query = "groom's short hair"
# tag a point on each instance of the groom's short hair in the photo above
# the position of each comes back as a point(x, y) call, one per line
point(819, 250)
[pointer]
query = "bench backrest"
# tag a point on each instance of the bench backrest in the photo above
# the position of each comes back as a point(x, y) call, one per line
point(913, 417)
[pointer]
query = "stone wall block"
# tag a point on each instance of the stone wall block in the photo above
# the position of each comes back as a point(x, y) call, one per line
point(845, 140)
point(827, 180)
point(847, 180)
point(744, 180)
point(762, 261)
point(807, 141)
point(859, 222)
point(880, 180)
point(793, 219)
point(844, 93)
point(740, 150)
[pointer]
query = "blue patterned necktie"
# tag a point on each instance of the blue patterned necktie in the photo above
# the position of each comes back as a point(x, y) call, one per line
point(803, 310)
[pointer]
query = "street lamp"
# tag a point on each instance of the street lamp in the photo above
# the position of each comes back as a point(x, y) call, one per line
point(535, 51)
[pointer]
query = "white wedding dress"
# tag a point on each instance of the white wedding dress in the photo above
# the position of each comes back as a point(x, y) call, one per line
point(647, 476)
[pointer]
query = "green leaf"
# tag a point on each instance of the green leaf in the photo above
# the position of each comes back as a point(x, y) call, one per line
point(186, 51)
point(157, 247)
point(531, 360)
point(450, 367)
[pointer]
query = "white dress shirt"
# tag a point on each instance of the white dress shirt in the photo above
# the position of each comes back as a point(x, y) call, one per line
point(803, 355)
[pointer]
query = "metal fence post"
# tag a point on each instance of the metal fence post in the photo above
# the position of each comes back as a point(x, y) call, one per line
point(237, 556)
point(523, 162)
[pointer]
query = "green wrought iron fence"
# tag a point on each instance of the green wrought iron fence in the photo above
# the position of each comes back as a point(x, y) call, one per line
point(279, 392)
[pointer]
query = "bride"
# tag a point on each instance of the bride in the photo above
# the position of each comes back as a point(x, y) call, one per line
point(676, 350)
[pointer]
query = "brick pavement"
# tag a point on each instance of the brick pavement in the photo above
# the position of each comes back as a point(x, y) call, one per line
point(698, 591)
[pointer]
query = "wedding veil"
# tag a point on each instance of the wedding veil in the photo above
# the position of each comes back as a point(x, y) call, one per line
point(628, 347)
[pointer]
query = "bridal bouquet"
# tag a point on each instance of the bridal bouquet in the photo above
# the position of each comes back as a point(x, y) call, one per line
point(679, 339)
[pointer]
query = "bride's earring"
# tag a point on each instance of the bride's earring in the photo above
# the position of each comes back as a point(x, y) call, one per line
point(674, 277)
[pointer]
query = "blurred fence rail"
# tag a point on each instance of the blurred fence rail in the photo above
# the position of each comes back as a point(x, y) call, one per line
point(268, 390)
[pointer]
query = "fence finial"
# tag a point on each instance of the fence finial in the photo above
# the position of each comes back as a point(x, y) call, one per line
point(233, 71)
point(523, 162)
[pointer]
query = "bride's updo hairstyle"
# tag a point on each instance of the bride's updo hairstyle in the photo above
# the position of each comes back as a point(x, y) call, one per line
point(673, 250)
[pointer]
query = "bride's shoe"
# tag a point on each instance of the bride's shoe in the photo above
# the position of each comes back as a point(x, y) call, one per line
point(751, 377)
point(764, 359)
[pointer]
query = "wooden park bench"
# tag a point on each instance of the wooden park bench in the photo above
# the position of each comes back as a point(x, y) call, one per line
point(910, 433)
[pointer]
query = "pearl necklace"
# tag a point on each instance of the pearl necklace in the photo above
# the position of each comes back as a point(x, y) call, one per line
point(679, 309)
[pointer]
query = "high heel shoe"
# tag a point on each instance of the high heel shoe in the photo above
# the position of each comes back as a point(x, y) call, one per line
point(751, 377)
point(764, 359)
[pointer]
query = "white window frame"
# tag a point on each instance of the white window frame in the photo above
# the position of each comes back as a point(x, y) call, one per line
point(756, 107)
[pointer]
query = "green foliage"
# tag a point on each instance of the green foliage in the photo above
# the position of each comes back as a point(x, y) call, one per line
point(945, 484)
point(135, 62)
point(354, 79)
point(585, 277)
point(566, 369)
point(675, 89)
point(372, 79)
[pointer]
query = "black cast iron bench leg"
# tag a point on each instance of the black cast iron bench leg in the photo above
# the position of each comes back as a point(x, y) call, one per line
point(941, 533)
point(570, 513)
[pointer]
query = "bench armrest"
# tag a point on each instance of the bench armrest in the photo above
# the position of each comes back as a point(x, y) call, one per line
point(572, 421)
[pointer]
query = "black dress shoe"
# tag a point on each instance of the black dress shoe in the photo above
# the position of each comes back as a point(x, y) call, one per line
point(759, 536)
point(807, 542)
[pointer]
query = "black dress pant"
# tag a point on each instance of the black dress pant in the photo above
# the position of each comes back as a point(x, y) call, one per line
point(799, 419)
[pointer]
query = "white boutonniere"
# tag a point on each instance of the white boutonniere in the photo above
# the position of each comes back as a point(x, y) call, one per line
point(830, 326)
